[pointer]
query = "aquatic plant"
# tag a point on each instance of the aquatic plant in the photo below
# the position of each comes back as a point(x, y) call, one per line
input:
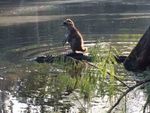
point(61, 83)
point(47, 84)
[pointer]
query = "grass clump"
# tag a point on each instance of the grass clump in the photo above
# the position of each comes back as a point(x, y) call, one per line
point(81, 79)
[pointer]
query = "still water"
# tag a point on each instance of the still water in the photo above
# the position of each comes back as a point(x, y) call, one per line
point(29, 29)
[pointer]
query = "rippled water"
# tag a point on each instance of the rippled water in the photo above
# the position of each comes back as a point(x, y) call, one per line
point(29, 29)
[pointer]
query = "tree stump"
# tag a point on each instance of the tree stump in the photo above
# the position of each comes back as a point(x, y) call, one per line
point(139, 58)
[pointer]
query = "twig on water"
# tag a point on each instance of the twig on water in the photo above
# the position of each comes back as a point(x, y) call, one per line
point(126, 92)
point(147, 102)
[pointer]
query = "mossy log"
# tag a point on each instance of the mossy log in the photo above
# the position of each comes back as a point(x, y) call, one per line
point(139, 58)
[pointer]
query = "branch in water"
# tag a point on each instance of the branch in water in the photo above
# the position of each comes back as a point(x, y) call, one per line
point(125, 93)
point(146, 104)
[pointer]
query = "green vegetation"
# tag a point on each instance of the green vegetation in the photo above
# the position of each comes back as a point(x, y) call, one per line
point(47, 84)
point(60, 84)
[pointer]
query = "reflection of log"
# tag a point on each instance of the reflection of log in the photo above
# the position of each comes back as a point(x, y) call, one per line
point(51, 59)
point(139, 57)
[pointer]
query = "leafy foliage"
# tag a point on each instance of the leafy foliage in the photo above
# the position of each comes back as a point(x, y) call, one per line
point(49, 83)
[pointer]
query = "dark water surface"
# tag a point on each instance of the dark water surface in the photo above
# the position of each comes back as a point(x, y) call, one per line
point(32, 28)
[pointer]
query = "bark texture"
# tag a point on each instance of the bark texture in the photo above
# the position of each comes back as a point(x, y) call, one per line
point(139, 58)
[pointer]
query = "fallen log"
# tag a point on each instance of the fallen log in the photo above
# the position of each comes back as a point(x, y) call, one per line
point(139, 58)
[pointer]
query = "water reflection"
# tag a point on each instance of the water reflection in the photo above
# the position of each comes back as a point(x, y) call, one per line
point(28, 29)
point(20, 28)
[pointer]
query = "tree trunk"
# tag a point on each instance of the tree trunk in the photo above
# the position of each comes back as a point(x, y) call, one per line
point(139, 58)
